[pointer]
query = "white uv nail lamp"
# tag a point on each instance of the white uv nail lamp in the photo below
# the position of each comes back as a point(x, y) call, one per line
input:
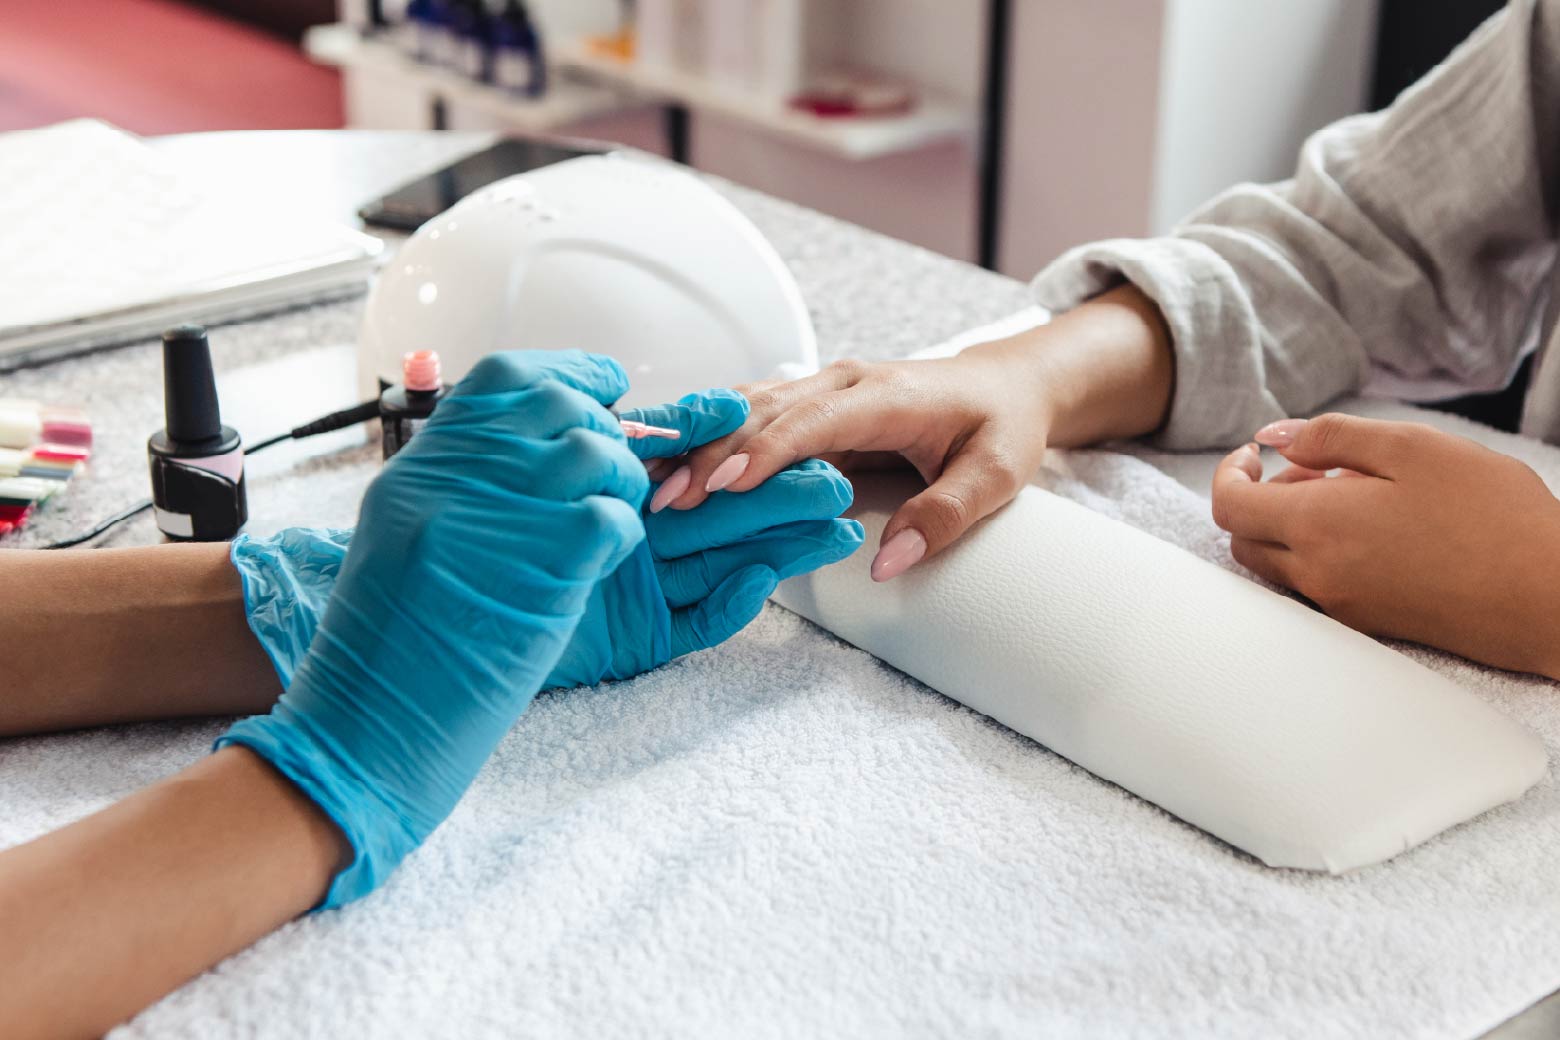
point(610, 254)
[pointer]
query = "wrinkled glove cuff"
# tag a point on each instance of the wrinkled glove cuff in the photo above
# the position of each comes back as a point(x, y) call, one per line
point(287, 580)
point(379, 837)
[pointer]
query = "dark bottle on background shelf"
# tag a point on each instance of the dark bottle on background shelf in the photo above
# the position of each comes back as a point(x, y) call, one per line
point(519, 65)
point(425, 30)
point(471, 38)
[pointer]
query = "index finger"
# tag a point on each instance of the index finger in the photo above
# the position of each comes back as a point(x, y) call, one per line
point(1243, 505)
point(838, 421)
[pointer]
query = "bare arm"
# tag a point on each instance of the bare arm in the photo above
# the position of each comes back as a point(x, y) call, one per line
point(91, 637)
point(1103, 371)
point(105, 916)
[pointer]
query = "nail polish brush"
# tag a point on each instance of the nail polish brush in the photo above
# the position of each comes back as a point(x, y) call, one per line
point(635, 430)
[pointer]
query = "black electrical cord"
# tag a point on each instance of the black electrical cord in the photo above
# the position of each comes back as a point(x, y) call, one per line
point(117, 518)
point(325, 424)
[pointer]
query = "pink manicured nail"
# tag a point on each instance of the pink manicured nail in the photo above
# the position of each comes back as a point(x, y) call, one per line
point(727, 472)
point(1280, 434)
point(668, 492)
point(898, 555)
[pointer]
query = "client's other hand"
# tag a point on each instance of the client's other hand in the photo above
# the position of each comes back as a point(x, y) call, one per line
point(1426, 536)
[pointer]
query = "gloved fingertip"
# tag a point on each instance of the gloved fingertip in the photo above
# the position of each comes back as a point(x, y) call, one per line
point(837, 541)
point(831, 491)
point(849, 535)
point(845, 537)
point(754, 585)
point(727, 403)
point(844, 491)
point(714, 413)
point(810, 489)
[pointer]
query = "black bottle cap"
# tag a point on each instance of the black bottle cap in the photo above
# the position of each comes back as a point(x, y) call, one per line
point(189, 386)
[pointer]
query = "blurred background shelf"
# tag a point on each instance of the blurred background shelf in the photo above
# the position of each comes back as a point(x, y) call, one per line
point(1012, 150)
point(934, 119)
point(382, 70)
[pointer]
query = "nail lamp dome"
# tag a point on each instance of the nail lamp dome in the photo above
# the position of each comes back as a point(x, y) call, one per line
point(611, 254)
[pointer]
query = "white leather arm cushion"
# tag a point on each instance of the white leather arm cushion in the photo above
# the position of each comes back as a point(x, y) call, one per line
point(1239, 710)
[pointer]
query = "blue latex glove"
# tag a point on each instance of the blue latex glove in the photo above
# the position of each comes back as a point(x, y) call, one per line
point(703, 574)
point(699, 578)
point(474, 557)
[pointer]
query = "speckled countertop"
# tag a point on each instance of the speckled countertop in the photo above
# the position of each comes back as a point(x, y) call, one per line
point(870, 296)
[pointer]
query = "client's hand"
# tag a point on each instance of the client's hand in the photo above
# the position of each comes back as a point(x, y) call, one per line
point(973, 426)
point(698, 579)
point(1428, 537)
point(476, 553)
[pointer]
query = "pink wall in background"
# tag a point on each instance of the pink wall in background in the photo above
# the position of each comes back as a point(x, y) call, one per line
point(1082, 113)
point(925, 196)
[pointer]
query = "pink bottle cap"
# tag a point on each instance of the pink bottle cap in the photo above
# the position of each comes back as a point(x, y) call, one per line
point(420, 370)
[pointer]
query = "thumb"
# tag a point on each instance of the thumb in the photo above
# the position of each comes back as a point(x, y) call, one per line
point(977, 482)
point(1371, 446)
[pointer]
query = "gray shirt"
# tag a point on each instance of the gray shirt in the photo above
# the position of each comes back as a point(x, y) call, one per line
point(1412, 254)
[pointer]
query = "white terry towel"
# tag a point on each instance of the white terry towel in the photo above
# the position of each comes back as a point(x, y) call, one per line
point(783, 837)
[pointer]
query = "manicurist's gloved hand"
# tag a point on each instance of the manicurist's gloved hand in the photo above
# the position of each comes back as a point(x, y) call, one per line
point(476, 553)
point(700, 576)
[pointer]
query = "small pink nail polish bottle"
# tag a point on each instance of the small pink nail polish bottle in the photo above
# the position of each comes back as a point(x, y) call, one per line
point(403, 409)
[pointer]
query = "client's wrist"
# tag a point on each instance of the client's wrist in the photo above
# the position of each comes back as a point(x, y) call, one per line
point(1543, 599)
point(1108, 367)
point(1023, 366)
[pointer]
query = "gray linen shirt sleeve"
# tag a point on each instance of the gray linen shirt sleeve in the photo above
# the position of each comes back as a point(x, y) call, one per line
point(1410, 254)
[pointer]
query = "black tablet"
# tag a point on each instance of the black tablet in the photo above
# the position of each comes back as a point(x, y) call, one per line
point(411, 205)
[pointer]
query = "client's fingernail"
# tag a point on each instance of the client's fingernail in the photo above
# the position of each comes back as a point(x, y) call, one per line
point(898, 554)
point(1280, 434)
point(727, 472)
point(670, 491)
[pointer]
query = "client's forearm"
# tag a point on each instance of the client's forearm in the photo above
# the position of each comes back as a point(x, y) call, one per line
point(1105, 370)
point(89, 637)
